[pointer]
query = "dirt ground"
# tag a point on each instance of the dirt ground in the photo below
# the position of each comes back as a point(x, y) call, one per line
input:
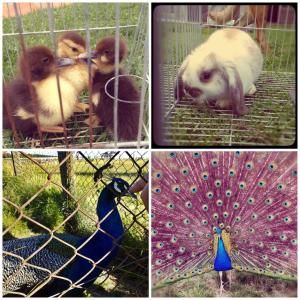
point(25, 8)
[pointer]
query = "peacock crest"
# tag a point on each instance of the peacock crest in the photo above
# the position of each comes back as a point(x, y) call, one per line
point(249, 196)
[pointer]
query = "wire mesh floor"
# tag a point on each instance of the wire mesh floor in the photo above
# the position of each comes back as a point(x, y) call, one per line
point(270, 120)
point(77, 137)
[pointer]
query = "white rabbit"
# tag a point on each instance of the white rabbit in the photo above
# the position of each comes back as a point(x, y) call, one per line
point(224, 68)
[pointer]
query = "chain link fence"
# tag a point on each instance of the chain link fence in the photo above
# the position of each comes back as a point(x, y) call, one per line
point(51, 213)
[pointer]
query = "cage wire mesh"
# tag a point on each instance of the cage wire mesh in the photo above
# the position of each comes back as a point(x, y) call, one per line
point(271, 117)
point(34, 24)
point(53, 195)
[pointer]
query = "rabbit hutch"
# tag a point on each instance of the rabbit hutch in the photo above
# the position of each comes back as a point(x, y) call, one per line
point(27, 25)
point(55, 216)
point(271, 111)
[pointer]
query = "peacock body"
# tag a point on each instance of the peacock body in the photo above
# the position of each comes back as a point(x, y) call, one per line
point(81, 266)
point(223, 210)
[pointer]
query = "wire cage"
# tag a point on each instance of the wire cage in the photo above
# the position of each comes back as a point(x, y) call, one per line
point(271, 117)
point(52, 195)
point(30, 24)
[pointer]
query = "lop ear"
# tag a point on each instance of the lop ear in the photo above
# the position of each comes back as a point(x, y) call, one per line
point(236, 92)
point(179, 86)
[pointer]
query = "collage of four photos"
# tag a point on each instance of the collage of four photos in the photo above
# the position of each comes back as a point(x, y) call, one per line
point(149, 149)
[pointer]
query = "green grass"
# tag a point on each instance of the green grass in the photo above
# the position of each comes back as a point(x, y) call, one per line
point(271, 99)
point(49, 208)
point(243, 285)
point(72, 17)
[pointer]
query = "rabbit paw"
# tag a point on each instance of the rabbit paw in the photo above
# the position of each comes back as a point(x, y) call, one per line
point(252, 90)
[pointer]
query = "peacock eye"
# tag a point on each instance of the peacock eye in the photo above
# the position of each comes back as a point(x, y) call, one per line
point(205, 76)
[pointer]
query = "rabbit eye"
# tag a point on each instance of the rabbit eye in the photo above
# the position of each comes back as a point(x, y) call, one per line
point(74, 49)
point(205, 76)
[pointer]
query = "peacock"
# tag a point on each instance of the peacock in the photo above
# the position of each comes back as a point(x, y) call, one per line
point(218, 211)
point(75, 262)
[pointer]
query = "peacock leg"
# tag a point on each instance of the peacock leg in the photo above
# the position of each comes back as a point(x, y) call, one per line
point(230, 274)
point(221, 282)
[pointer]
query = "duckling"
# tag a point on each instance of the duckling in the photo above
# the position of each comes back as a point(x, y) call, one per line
point(128, 113)
point(71, 45)
point(42, 65)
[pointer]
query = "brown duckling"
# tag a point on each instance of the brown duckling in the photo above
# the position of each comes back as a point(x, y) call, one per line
point(128, 113)
point(42, 65)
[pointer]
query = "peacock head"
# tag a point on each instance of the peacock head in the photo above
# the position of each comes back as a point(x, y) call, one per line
point(218, 231)
point(120, 187)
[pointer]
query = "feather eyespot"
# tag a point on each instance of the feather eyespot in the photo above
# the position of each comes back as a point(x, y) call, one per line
point(215, 216)
point(228, 193)
point(192, 235)
point(287, 220)
point(225, 214)
point(238, 219)
point(280, 186)
point(274, 249)
point(286, 204)
point(268, 232)
point(236, 205)
point(283, 237)
point(261, 183)
point(269, 201)
point(157, 190)
point(179, 261)
point(209, 195)
point(254, 216)
point(204, 222)
point(171, 205)
point(152, 216)
point(196, 154)
point(205, 207)
point(294, 242)
point(185, 171)
point(173, 239)
point(188, 204)
point(237, 153)
point(158, 262)
point(169, 224)
point(270, 217)
point(175, 269)
point(286, 253)
point(221, 225)
point(170, 255)
point(158, 272)
point(242, 185)
point(154, 232)
point(231, 173)
point(186, 221)
point(249, 165)
point(172, 154)
point(159, 245)
point(193, 189)
point(158, 175)
point(205, 176)
point(294, 173)
point(214, 162)
point(219, 202)
point(218, 183)
point(181, 250)
point(250, 200)
point(176, 188)
point(272, 166)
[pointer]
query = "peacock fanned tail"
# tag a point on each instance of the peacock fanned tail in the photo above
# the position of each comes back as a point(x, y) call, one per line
point(251, 196)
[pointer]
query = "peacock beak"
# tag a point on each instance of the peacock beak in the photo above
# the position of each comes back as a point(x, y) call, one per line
point(133, 195)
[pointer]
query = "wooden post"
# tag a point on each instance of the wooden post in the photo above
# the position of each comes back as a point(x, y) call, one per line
point(67, 176)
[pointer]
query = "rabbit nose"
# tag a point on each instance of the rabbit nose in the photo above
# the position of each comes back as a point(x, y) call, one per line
point(193, 92)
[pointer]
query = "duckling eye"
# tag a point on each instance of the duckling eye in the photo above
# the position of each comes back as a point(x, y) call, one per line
point(45, 60)
point(74, 49)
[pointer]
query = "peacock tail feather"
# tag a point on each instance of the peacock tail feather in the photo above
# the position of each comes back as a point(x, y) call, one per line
point(251, 196)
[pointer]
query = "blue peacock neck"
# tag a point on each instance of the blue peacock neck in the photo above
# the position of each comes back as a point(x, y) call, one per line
point(109, 217)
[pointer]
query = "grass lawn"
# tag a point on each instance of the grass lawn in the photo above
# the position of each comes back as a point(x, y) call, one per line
point(244, 284)
point(271, 111)
point(101, 22)
point(49, 208)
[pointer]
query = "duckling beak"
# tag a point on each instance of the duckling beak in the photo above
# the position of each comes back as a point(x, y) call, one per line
point(84, 56)
point(64, 61)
